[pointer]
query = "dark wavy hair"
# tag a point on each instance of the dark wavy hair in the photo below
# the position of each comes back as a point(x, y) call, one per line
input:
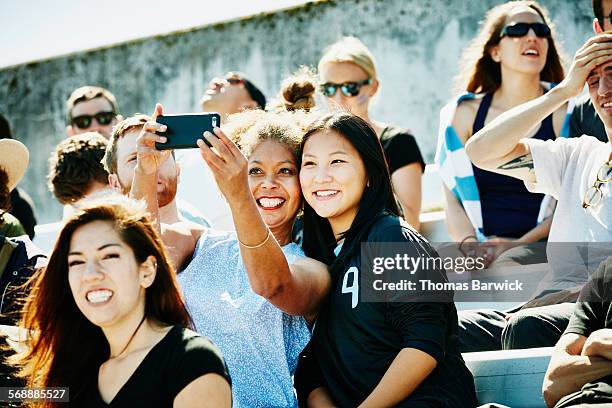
point(65, 348)
point(5, 193)
point(75, 165)
point(377, 199)
point(479, 73)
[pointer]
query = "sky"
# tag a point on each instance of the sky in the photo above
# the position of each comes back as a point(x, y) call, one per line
point(39, 29)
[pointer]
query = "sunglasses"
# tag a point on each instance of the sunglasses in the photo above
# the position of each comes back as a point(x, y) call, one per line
point(593, 195)
point(84, 121)
point(234, 81)
point(521, 29)
point(349, 89)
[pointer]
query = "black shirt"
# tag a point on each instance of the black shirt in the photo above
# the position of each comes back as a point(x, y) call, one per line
point(178, 359)
point(594, 308)
point(400, 148)
point(585, 121)
point(354, 342)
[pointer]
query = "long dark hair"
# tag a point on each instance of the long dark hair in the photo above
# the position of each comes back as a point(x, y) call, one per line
point(598, 12)
point(66, 349)
point(479, 73)
point(377, 198)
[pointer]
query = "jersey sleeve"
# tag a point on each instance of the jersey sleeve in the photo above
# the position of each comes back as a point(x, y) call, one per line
point(422, 326)
point(197, 356)
point(402, 150)
point(584, 320)
point(590, 311)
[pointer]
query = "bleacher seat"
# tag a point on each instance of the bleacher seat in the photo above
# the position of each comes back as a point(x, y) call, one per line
point(510, 377)
point(433, 225)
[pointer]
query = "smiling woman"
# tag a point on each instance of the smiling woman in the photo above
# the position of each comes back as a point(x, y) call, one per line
point(233, 284)
point(252, 290)
point(118, 292)
point(360, 348)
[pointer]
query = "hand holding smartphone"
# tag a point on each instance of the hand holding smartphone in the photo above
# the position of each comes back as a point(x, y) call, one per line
point(184, 130)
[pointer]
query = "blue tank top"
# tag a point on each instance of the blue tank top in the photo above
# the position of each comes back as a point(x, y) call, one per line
point(508, 209)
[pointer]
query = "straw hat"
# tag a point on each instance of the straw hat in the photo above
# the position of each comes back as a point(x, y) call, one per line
point(14, 158)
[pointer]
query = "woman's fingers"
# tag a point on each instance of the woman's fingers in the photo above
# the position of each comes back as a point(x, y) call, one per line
point(229, 144)
point(210, 157)
point(220, 147)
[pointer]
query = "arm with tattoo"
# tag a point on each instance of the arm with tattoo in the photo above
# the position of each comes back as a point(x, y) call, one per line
point(498, 147)
point(522, 162)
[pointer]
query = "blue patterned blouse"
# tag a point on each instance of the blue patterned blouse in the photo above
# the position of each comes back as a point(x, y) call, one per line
point(260, 343)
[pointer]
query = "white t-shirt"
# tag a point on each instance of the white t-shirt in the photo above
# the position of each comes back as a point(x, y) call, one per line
point(186, 210)
point(565, 169)
point(197, 186)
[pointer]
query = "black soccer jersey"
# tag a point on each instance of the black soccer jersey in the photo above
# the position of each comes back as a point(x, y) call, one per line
point(354, 342)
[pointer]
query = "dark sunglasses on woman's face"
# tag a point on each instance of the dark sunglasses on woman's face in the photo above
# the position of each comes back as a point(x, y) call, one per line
point(521, 29)
point(349, 89)
point(84, 121)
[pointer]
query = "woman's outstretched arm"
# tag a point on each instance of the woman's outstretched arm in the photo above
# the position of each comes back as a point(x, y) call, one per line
point(296, 289)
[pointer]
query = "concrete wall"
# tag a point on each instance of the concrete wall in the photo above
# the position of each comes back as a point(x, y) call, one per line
point(417, 44)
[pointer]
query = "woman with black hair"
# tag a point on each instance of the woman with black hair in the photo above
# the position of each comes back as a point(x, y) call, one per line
point(107, 321)
point(384, 353)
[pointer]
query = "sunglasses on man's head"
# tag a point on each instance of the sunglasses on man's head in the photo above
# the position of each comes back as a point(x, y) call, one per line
point(347, 88)
point(521, 30)
point(84, 121)
point(234, 81)
point(233, 78)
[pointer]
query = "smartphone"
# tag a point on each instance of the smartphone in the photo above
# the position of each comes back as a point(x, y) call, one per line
point(184, 130)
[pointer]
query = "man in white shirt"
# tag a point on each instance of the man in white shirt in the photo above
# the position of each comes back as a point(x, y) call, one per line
point(577, 171)
point(120, 160)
